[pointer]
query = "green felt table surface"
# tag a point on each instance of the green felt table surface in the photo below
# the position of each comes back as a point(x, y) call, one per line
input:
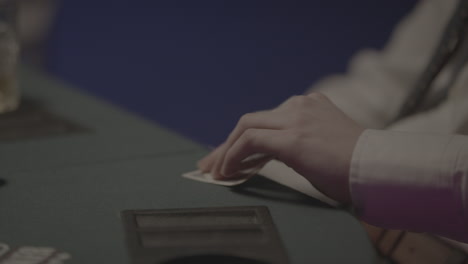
point(67, 191)
point(112, 133)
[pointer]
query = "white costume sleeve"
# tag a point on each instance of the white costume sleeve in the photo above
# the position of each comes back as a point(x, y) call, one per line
point(412, 181)
point(376, 83)
point(414, 175)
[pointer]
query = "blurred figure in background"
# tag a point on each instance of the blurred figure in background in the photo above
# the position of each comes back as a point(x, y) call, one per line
point(24, 26)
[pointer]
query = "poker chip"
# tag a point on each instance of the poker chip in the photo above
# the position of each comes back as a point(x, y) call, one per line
point(31, 255)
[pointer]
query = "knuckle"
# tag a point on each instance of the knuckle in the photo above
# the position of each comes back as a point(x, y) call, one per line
point(250, 135)
point(317, 96)
point(244, 119)
point(301, 119)
point(296, 99)
point(302, 101)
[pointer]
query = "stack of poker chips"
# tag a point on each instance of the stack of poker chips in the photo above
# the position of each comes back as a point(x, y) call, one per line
point(31, 255)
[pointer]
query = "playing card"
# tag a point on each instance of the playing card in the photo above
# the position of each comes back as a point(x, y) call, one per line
point(198, 175)
point(275, 171)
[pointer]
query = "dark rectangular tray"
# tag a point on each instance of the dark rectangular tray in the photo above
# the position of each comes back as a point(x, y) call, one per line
point(203, 235)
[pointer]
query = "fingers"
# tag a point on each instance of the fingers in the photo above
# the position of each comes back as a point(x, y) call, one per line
point(258, 120)
point(251, 164)
point(278, 119)
point(207, 163)
point(318, 96)
point(246, 173)
point(252, 141)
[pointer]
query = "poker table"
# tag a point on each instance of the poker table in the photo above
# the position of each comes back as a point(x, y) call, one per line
point(73, 163)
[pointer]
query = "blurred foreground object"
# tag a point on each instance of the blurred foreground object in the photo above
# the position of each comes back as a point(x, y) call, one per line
point(34, 21)
point(9, 49)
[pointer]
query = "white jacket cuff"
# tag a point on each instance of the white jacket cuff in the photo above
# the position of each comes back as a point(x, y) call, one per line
point(412, 181)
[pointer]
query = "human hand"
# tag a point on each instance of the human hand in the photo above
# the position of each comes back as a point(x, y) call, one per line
point(308, 133)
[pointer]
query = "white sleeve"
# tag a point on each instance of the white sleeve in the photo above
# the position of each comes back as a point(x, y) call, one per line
point(412, 181)
point(377, 82)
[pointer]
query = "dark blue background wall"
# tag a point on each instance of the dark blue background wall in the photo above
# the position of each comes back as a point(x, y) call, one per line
point(196, 66)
